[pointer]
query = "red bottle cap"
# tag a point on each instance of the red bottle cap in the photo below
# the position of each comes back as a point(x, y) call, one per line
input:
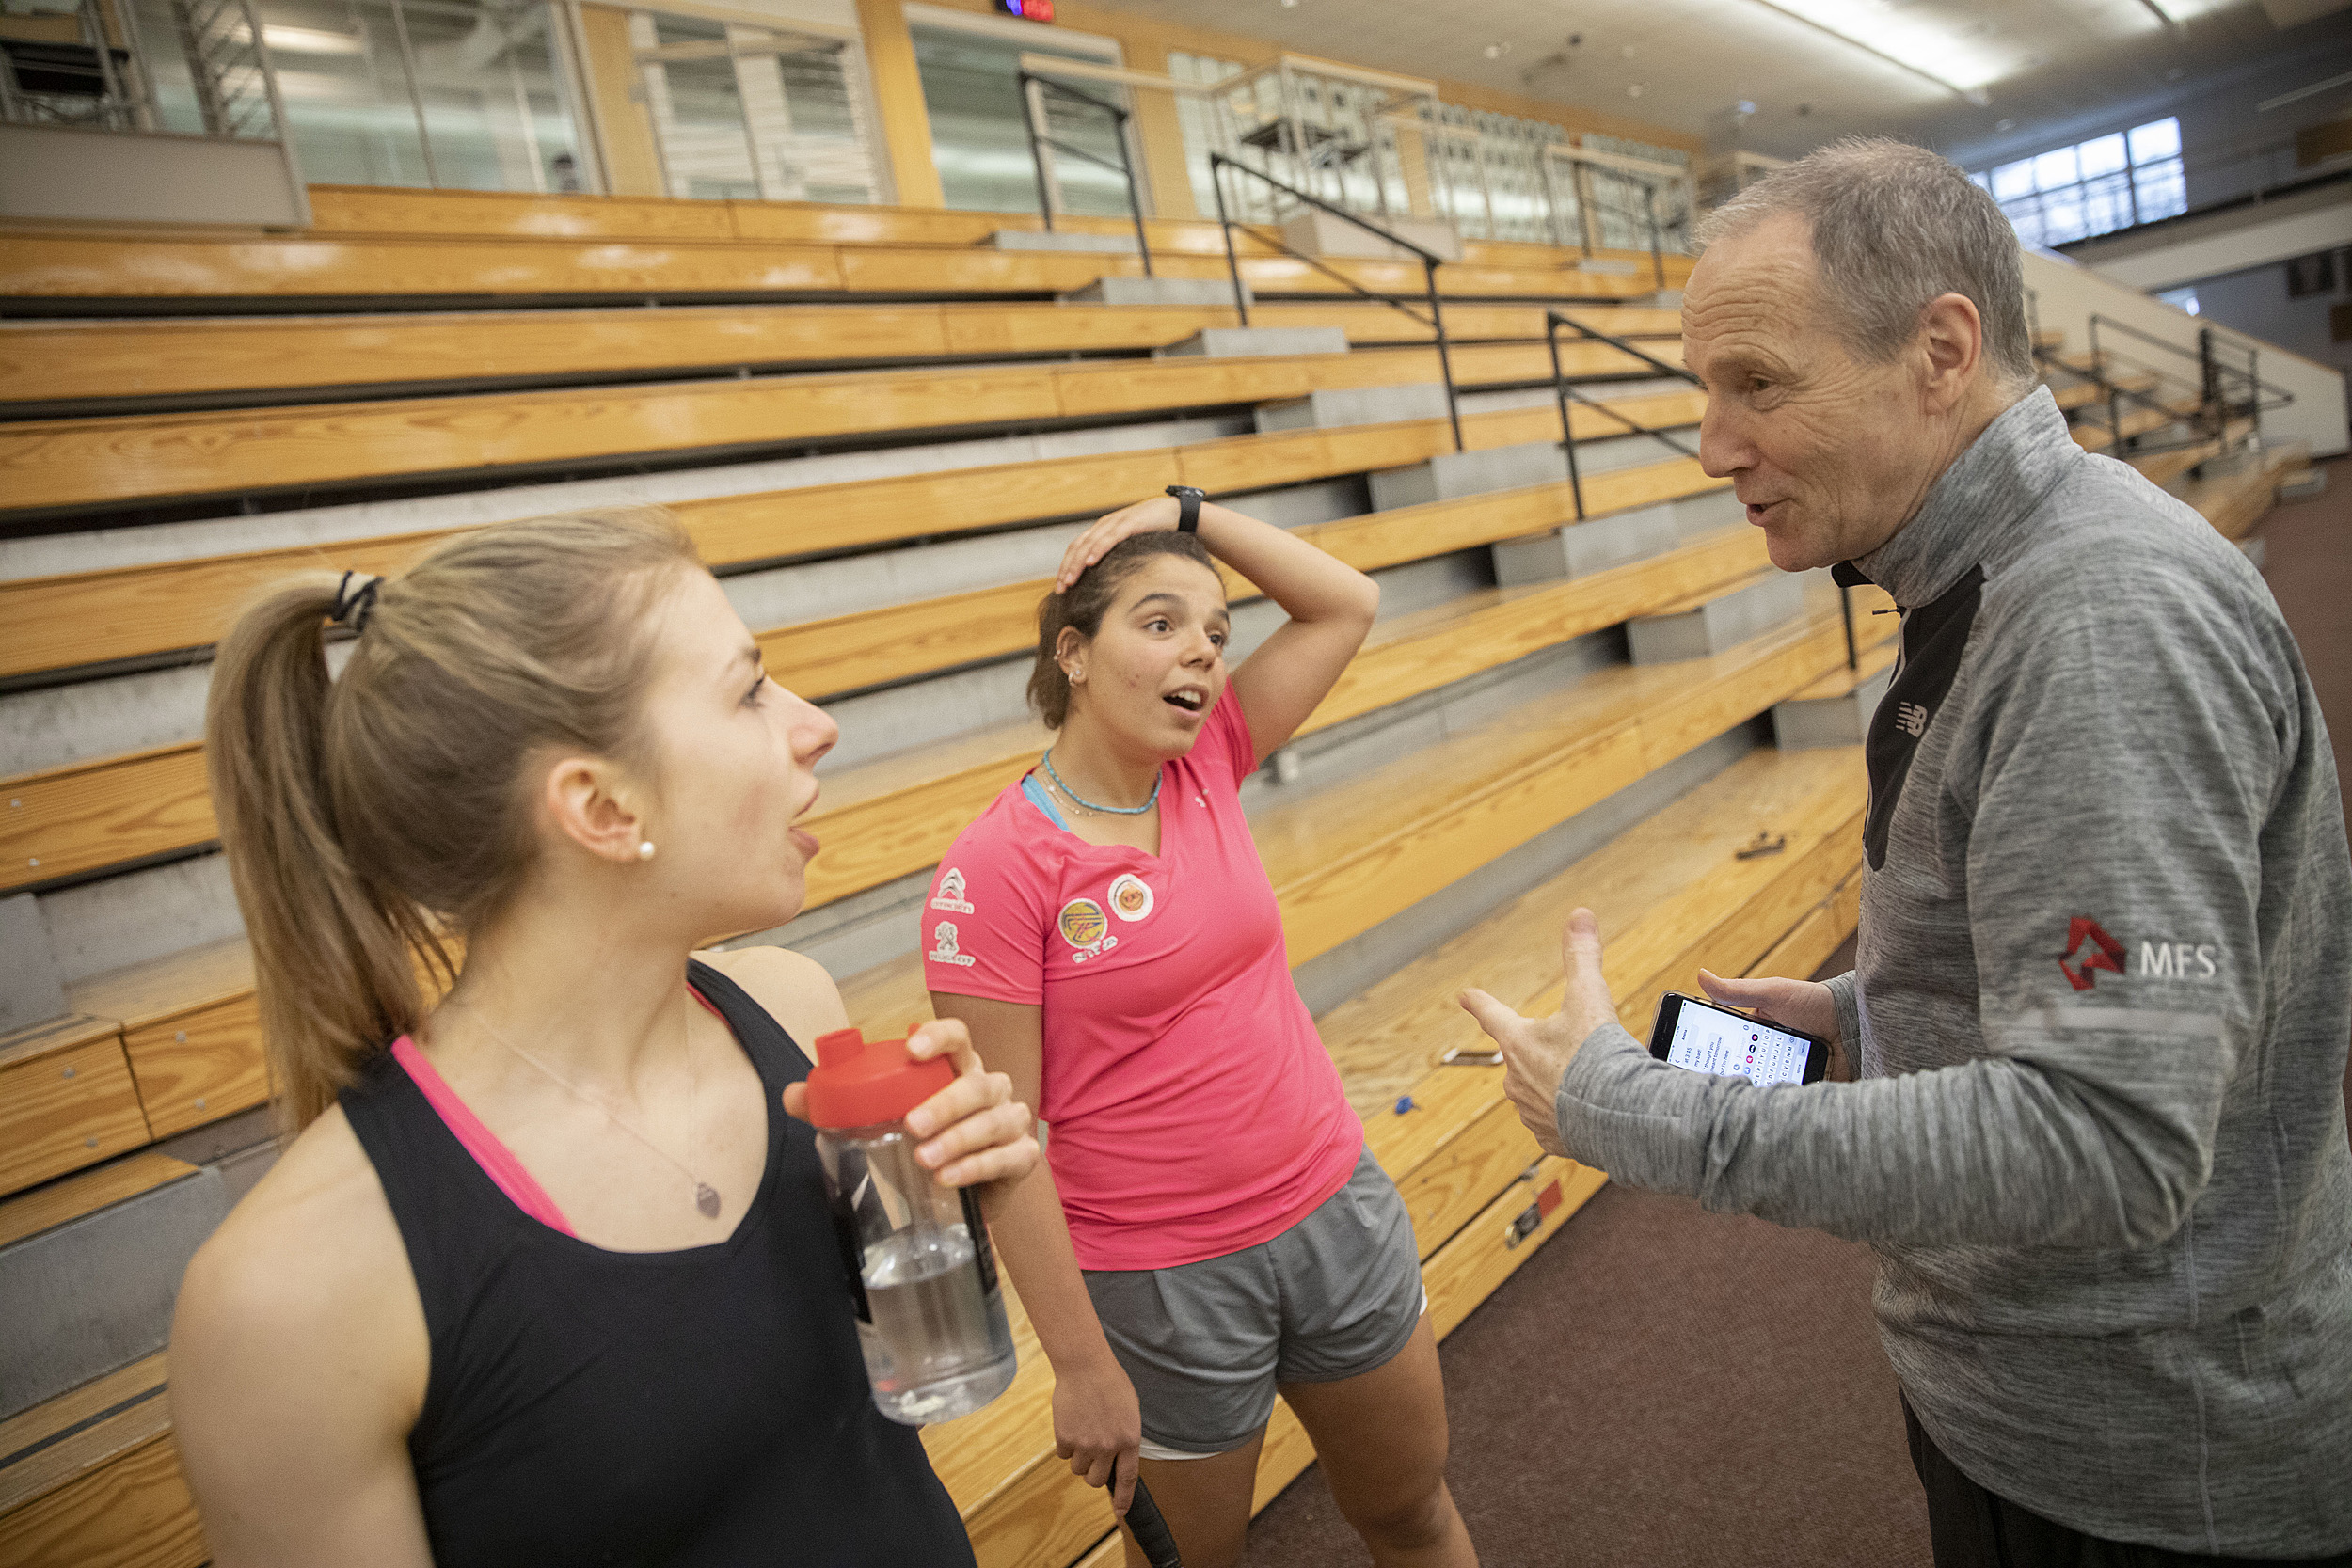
point(860, 1083)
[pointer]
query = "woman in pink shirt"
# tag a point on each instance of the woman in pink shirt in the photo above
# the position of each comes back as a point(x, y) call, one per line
point(1215, 1228)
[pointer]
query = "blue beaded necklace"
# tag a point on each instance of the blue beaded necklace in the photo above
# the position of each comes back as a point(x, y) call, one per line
point(1107, 810)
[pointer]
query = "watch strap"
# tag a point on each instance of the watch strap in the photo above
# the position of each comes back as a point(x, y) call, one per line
point(1188, 500)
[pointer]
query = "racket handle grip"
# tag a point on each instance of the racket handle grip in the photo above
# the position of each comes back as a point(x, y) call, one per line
point(1151, 1531)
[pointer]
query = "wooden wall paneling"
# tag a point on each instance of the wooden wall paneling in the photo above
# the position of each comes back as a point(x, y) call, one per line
point(65, 1109)
point(623, 126)
point(906, 127)
point(76, 818)
point(201, 1065)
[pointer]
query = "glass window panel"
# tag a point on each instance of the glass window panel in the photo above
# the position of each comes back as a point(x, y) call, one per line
point(2162, 193)
point(339, 72)
point(2055, 169)
point(805, 122)
point(2062, 216)
point(493, 112)
point(2158, 140)
point(2012, 181)
point(2026, 217)
point(2102, 156)
point(981, 139)
point(1981, 181)
point(696, 104)
point(2106, 204)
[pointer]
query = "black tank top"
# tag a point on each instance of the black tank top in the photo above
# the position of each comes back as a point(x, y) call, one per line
point(702, 1406)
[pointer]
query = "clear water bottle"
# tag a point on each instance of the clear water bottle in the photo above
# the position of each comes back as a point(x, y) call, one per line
point(930, 1313)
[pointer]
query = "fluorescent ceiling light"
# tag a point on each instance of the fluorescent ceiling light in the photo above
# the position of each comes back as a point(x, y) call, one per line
point(309, 41)
point(1937, 54)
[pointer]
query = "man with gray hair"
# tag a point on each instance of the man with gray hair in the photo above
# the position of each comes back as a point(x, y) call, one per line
point(2102, 990)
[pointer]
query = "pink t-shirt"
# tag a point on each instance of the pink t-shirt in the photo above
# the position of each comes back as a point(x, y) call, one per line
point(1193, 1109)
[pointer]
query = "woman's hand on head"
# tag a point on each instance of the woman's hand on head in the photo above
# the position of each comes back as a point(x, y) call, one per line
point(1157, 514)
point(972, 1131)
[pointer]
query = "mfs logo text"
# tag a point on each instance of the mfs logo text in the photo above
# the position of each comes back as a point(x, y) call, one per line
point(2089, 949)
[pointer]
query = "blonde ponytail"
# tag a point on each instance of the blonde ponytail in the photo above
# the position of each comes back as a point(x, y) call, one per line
point(366, 816)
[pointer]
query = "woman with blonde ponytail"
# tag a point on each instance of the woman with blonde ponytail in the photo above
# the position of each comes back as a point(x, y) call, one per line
point(543, 1276)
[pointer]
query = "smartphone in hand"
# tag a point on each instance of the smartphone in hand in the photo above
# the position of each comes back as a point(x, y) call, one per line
point(1698, 1035)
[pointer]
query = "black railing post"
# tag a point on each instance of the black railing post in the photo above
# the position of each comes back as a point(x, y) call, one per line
point(1233, 264)
point(2254, 392)
point(1033, 89)
point(1657, 259)
point(2209, 383)
point(1029, 116)
point(1559, 394)
point(1445, 353)
point(1845, 608)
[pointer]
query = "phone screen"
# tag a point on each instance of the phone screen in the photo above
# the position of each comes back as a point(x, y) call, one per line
point(1711, 1039)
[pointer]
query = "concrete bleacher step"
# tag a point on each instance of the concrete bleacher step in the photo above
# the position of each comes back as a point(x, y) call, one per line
point(1604, 540)
point(1836, 710)
point(1716, 619)
point(1065, 241)
point(1333, 408)
point(90, 1294)
point(1207, 291)
point(1228, 342)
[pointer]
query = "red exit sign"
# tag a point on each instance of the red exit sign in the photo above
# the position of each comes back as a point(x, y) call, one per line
point(1033, 10)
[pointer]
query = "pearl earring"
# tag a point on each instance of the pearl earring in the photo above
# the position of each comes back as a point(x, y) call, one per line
point(644, 848)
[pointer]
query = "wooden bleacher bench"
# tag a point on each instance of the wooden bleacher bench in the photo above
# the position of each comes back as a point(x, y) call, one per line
point(382, 210)
point(2082, 395)
point(98, 618)
point(91, 265)
point(45, 364)
point(110, 461)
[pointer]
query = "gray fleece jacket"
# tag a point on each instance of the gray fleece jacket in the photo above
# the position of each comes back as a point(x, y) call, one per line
point(2102, 996)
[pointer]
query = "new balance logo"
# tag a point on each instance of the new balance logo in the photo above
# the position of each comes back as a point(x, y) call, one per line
point(1911, 719)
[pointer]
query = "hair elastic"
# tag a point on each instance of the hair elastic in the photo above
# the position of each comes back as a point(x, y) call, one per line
point(354, 606)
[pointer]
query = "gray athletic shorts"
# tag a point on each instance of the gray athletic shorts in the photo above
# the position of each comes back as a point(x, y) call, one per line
point(1335, 1295)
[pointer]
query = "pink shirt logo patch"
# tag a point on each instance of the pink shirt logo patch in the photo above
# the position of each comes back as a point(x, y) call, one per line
point(1131, 897)
point(1085, 927)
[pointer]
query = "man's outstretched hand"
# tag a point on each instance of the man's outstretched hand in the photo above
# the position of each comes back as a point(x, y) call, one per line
point(1539, 1049)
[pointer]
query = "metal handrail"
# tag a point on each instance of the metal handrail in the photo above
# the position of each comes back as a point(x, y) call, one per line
point(1563, 391)
point(1219, 163)
point(1033, 88)
point(2216, 406)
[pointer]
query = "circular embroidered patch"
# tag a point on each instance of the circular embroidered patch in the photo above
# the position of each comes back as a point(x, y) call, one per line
point(1083, 923)
point(1131, 897)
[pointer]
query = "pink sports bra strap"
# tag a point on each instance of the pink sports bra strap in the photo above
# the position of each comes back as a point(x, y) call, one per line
point(496, 1159)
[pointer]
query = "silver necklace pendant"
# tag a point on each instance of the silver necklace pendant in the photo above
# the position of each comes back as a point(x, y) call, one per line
point(706, 1199)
